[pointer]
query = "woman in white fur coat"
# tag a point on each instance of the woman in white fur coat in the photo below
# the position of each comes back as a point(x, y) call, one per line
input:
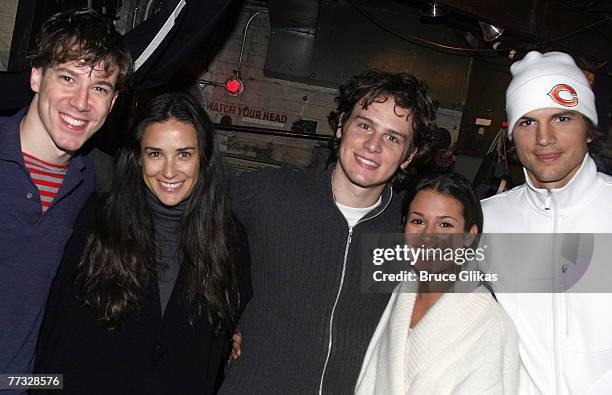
point(432, 338)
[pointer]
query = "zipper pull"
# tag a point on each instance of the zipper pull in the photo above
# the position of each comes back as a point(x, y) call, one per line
point(548, 200)
point(350, 235)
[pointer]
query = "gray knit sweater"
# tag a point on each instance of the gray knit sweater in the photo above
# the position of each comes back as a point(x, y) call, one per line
point(298, 239)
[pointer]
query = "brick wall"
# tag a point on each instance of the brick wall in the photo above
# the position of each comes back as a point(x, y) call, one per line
point(8, 10)
point(265, 102)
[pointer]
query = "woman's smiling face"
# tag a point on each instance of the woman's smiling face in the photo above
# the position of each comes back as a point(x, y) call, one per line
point(170, 160)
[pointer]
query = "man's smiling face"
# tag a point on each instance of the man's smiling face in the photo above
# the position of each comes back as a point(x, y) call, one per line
point(551, 144)
point(73, 101)
point(374, 143)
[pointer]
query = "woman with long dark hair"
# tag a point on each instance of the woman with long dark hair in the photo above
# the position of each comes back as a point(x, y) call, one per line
point(447, 335)
point(148, 290)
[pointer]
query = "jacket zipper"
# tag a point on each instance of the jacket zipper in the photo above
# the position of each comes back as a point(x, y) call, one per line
point(331, 317)
point(556, 305)
point(548, 201)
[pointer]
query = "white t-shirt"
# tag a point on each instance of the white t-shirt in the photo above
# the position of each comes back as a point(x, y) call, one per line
point(353, 215)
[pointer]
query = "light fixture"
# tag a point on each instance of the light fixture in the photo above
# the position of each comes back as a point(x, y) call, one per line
point(433, 10)
point(490, 32)
point(234, 86)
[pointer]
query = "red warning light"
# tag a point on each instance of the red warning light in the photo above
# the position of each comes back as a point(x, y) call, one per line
point(234, 86)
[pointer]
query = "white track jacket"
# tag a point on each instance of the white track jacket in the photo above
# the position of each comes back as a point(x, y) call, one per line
point(565, 339)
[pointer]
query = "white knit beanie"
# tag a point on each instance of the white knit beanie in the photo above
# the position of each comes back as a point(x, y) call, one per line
point(549, 80)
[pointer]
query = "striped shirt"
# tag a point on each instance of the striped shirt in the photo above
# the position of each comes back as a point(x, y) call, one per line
point(47, 177)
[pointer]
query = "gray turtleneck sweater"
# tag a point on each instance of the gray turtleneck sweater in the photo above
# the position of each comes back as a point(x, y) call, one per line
point(166, 221)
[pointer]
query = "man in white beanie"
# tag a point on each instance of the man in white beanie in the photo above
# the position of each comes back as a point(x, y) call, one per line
point(565, 338)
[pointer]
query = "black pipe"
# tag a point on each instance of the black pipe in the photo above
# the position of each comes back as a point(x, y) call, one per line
point(274, 132)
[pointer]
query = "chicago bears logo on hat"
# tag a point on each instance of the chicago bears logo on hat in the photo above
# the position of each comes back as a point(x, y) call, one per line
point(564, 94)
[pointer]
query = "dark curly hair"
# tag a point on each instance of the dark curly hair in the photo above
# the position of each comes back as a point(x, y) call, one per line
point(377, 87)
point(83, 35)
